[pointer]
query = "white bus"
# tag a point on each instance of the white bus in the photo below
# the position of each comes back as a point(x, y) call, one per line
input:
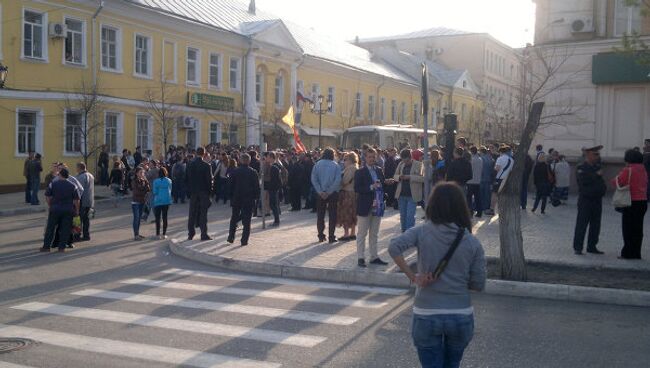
point(386, 136)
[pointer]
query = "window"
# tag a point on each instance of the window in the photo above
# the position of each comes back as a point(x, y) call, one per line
point(357, 106)
point(259, 87)
point(279, 91)
point(234, 73)
point(382, 109)
point(403, 112)
point(73, 132)
point(345, 103)
point(142, 55)
point(111, 40)
point(416, 114)
point(26, 132)
point(34, 35)
point(169, 62)
point(143, 132)
point(331, 95)
point(191, 137)
point(193, 66)
point(74, 42)
point(463, 112)
point(315, 91)
point(111, 132)
point(232, 134)
point(215, 71)
point(627, 19)
point(393, 111)
point(371, 107)
point(215, 132)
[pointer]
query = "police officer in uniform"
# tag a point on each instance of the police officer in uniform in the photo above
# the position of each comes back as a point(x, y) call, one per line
point(592, 188)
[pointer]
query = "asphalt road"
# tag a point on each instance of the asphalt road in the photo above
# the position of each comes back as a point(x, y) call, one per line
point(117, 303)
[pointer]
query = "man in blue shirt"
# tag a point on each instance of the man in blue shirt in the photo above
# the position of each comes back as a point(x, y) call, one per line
point(326, 179)
point(63, 202)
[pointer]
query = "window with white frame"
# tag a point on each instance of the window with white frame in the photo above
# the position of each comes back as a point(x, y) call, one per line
point(216, 132)
point(26, 132)
point(279, 90)
point(215, 70)
point(73, 132)
point(112, 132)
point(34, 35)
point(382, 109)
point(357, 106)
point(234, 73)
point(416, 114)
point(74, 42)
point(403, 112)
point(627, 19)
point(259, 87)
point(371, 107)
point(142, 55)
point(193, 66)
point(393, 111)
point(111, 48)
point(315, 91)
point(191, 137)
point(331, 96)
point(233, 137)
point(143, 132)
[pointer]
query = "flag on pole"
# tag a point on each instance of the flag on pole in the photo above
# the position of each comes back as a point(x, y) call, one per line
point(289, 120)
point(301, 98)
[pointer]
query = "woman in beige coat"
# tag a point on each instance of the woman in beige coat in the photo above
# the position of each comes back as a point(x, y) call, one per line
point(347, 206)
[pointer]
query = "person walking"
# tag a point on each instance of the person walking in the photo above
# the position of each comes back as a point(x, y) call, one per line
point(295, 183)
point(502, 167)
point(562, 173)
point(178, 179)
point(140, 188)
point(592, 189)
point(116, 181)
point(487, 178)
point(409, 176)
point(474, 184)
point(34, 171)
point(246, 191)
point(198, 182)
point(26, 174)
point(443, 316)
point(102, 164)
point(326, 180)
point(634, 176)
point(272, 186)
point(87, 181)
point(369, 182)
point(162, 199)
point(390, 167)
point(346, 208)
point(542, 177)
point(63, 203)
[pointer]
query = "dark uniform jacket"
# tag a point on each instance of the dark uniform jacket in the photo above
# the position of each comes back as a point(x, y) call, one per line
point(590, 184)
point(198, 176)
point(245, 186)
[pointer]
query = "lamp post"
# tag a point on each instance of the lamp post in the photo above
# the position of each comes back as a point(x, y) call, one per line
point(3, 75)
point(320, 113)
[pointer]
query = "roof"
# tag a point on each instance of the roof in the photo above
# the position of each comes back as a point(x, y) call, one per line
point(233, 16)
point(425, 33)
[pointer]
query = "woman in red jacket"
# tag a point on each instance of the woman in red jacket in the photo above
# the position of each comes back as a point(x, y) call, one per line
point(634, 175)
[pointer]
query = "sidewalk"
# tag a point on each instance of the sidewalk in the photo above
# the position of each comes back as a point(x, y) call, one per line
point(14, 203)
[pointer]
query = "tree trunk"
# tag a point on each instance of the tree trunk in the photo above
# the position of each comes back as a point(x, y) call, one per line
point(513, 263)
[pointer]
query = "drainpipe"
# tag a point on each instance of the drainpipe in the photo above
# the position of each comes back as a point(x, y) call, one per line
point(93, 52)
point(378, 101)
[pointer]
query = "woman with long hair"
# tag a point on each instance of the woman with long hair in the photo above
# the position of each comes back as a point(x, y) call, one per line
point(450, 263)
point(162, 198)
point(346, 216)
point(140, 187)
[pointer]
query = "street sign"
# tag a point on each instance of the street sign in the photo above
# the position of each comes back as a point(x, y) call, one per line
point(212, 102)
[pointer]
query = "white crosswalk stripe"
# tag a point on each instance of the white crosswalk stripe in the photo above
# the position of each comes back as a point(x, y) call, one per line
point(222, 307)
point(11, 365)
point(134, 350)
point(257, 293)
point(276, 280)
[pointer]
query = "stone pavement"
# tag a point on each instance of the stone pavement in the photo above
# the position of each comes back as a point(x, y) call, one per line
point(14, 203)
point(547, 239)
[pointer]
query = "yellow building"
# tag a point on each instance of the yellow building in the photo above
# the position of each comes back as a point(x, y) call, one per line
point(84, 73)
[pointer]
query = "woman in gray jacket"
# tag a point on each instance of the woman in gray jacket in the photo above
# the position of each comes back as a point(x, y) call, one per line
point(443, 317)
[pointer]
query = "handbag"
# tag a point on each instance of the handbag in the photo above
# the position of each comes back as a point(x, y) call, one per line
point(622, 197)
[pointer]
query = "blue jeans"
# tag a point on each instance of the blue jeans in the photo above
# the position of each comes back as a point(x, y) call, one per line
point(441, 339)
point(407, 209)
point(486, 195)
point(137, 215)
point(35, 184)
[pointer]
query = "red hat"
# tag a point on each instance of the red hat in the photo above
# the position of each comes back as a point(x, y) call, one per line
point(417, 155)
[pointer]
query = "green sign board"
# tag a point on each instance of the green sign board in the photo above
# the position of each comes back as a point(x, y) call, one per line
point(212, 102)
point(617, 68)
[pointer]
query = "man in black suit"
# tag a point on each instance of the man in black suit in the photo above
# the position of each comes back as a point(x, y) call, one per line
point(367, 181)
point(198, 181)
point(246, 190)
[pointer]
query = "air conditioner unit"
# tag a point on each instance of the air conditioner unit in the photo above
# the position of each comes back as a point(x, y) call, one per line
point(187, 122)
point(58, 30)
point(582, 25)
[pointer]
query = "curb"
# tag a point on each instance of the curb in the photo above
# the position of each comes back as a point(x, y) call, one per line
point(558, 292)
point(38, 209)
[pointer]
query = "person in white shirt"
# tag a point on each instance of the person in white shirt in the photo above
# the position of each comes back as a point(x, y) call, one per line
point(502, 167)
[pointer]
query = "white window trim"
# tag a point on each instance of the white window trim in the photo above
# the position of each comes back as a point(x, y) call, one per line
point(38, 131)
point(198, 134)
point(120, 130)
point(149, 57)
point(280, 103)
point(314, 95)
point(67, 153)
point(372, 107)
point(219, 131)
point(382, 109)
point(46, 55)
point(175, 61)
point(118, 40)
point(218, 87)
point(360, 114)
point(262, 87)
point(149, 128)
point(84, 49)
point(196, 83)
point(393, 109)
point(629, 17)
point(333, 112)
point(239, 69)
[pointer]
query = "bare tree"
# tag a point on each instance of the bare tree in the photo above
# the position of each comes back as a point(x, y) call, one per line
point(544, 78)
point(162, 104)
point(81, 136)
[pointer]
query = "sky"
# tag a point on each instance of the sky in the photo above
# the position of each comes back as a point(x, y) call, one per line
point(510, 21)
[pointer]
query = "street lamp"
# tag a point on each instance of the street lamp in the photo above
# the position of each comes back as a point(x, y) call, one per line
point(3, 75)
point(320, 113)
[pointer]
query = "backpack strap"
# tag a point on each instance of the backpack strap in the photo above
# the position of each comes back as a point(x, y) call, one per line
point(452, 249)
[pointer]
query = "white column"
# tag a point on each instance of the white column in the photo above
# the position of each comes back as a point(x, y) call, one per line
point(293, 91)
point(253, 112)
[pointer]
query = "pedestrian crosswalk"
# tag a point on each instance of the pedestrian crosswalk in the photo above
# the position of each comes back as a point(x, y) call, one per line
point(255, 321)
